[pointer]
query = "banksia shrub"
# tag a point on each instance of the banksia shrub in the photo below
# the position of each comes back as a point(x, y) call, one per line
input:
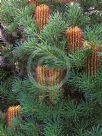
point(42, 15)
point(93, 62)
point(12, 112)
point(75, 39)
point(33, 2)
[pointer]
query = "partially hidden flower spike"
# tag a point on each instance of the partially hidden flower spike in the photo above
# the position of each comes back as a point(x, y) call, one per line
point(49, 78)
point(93, 62)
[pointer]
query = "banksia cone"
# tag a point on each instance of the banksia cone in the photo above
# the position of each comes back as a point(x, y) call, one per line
point(53, 78)
point(75, 39)
point(48, 77)
point(93, 62)
point(12, 112)
point(33, 2)
point(42, 15)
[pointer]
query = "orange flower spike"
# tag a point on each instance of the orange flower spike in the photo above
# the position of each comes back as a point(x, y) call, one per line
point(75, 38)
point(12, 112)
point(93, 62)
point(42, 15)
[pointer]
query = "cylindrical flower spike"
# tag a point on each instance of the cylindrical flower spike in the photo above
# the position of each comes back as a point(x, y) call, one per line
point(33, 2)
point(53, 78)
point(12, 112)
point(42, 15)
point(75, 39)
point(93, 62)
point(50, 78)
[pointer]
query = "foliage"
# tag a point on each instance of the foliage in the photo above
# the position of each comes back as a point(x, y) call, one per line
point(78, 109)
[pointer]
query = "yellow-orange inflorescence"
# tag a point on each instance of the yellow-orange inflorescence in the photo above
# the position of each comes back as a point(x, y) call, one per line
point(12, 112)
point(75, 38)
point(50, 78)
point(93, 62)
point(47, 76)
point(42, 15)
